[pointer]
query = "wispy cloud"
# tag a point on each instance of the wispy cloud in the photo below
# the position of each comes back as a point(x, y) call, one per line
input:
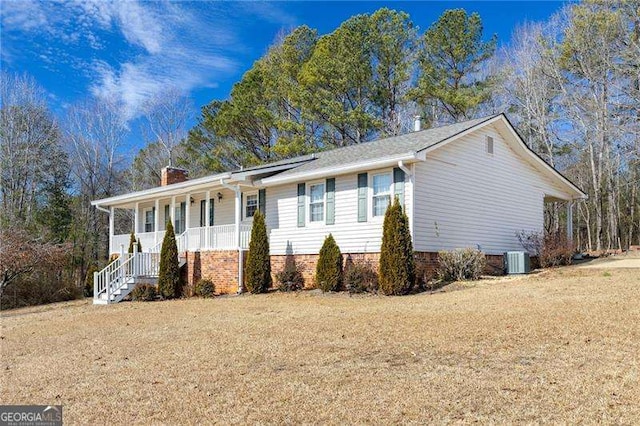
point(171, 44)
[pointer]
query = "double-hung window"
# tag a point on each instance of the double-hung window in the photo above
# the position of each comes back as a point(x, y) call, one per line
point(381, 193)
point(149, 218)
point(203, 212)
point(316, 202)
point(251, 205)
point(180, 218)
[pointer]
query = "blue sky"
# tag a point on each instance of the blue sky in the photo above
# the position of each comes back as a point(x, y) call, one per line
point(133, 50)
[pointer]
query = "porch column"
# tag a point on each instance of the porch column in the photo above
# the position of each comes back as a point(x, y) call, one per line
point(111, 229)
point(238, 217)
point(237, 235)
point(187, 219)
point(156, 222)
point(207, 219)
point(570, 221)
point(136, 219)
point(172, 213)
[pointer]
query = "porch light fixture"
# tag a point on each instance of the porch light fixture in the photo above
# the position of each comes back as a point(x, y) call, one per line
point(191, 200)
point(219, 195)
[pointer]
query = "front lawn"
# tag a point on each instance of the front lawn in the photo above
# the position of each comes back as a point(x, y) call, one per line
point(560, 346)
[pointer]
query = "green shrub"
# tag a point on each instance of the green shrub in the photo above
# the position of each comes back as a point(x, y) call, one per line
point(329, 267)
point(397, 266)
point(290, 278)
point(258, 268)
point(88, 280)
point(360, 278)
point(169, 282)
point(132, 241)
point(144, 293)
point(205, 288)
point(461, 264)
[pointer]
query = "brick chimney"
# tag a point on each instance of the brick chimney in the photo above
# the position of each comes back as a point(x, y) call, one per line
point(171, 175)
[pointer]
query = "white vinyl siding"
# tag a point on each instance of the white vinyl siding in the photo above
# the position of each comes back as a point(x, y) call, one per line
point(352, 236)
point(466, 198)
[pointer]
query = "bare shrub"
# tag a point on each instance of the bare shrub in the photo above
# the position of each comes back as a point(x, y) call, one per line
point(461, 264)
point(552, 249)
point(33, 272)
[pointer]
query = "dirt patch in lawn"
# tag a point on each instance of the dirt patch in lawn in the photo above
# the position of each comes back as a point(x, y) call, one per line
point(560, 346)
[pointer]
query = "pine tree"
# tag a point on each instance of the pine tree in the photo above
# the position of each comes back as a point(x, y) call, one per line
point(258, 269)
point(397, 267)
point(450, 62)
point(329, 267)
point(169, 282)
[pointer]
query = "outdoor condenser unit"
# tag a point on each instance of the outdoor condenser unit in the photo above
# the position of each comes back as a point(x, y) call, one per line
point(517, 262)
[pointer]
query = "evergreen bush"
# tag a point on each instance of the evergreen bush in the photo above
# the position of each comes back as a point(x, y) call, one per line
point(290, 278)
point(144, 293)
point(169, 282)
point(205, 288)
point(397, 266)
point(88, 280)
point(258, 268)
point(132, 241)
point(329, 267)
point(360, 277)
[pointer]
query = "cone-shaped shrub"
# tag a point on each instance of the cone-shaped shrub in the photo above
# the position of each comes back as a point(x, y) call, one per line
point(132, 241)
point(397, 267)
point(169, 276)
point(258, 268)
point(329, 267)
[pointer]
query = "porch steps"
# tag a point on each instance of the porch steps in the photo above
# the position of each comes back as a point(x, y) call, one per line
point(118, 279)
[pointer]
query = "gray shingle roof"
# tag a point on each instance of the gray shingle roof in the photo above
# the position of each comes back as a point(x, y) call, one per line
point(380, 148)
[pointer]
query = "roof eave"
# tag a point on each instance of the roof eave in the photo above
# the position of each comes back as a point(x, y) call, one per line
point(166, 190)
point(388, 161)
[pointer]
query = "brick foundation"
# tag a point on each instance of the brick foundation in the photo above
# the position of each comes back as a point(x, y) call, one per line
point(426, 263)
point(221, 267)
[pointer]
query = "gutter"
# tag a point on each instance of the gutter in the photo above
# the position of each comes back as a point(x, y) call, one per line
point(344, 169)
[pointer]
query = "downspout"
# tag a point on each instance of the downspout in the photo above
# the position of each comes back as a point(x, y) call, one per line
point(237, 192)
point(405, 169)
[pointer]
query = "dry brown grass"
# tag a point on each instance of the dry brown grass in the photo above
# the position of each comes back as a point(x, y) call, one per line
point(561, 346)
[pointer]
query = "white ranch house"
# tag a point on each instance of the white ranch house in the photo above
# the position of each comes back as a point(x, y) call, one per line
point(470, 184)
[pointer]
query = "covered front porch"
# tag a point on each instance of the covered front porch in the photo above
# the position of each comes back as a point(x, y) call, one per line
point(214, 218)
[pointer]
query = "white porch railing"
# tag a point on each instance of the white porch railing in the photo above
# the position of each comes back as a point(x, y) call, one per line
point(119, 274)
point(220, 237)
